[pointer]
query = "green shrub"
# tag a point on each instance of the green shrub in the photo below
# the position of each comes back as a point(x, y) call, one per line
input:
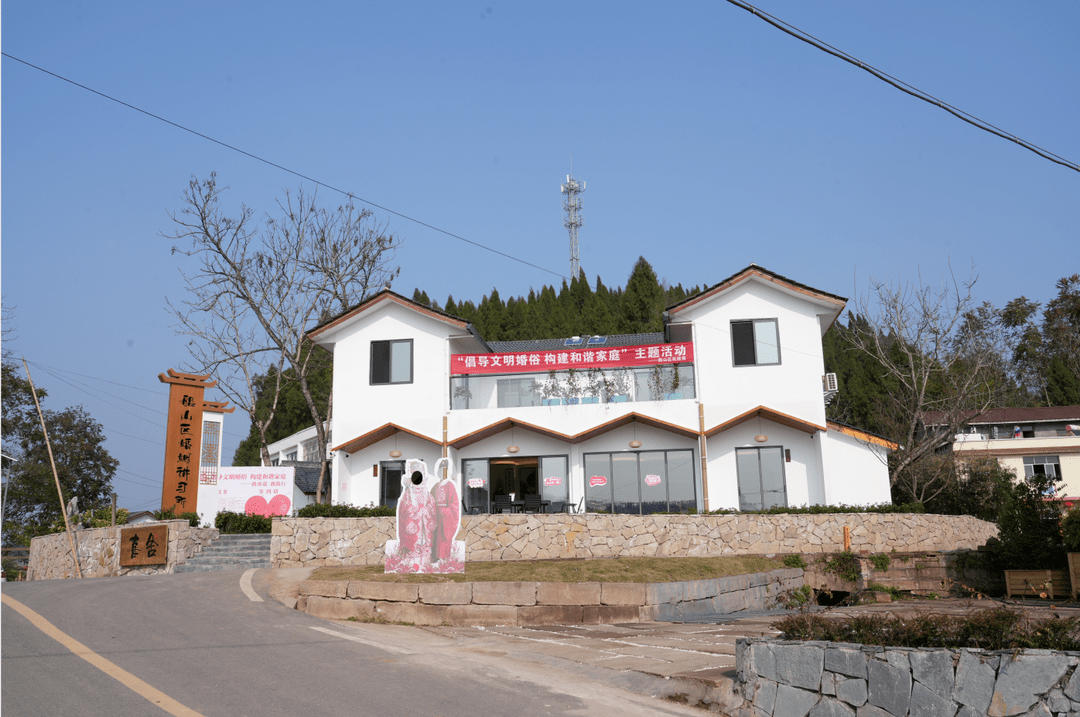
point(795, 561)
point(1029, 527)
point(1070, 530)
point(237, 523)
point(190, 516)
point(880, 561)
point(825, 509)
point(844, 565)
point(343, 510)
point(993, 629)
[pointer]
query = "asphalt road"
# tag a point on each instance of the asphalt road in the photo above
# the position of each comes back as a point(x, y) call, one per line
point(199, 640)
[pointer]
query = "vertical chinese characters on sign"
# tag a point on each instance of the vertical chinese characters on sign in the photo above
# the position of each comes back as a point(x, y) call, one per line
point(183, 434)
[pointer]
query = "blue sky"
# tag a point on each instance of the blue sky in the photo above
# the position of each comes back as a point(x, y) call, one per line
point(708, 139)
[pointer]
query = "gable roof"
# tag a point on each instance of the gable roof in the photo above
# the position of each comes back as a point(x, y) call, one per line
point(761, 273)
point(769, 414)
point(386, 295)
point(378, 434)
point(560, 344)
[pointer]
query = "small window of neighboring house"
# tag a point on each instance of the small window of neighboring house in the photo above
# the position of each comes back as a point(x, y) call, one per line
point(290, 456)
point(1042, 465)
point(311, 450)
point(391, 361)
point(273, 461)
point(755, 343)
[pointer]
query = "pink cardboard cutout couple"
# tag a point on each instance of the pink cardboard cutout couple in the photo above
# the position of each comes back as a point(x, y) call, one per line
point(428, 519)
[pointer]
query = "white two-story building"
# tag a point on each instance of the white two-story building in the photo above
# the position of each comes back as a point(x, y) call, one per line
point(724, 409)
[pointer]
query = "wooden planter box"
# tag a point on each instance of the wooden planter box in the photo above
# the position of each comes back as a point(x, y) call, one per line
point(1032, 583)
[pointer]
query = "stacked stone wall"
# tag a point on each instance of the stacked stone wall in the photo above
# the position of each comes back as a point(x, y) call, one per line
point(99, 552)
point(360, 541)
point(534, 603)
point(821, 679)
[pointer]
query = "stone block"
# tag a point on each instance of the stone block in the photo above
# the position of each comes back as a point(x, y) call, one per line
point(325, 588)
point(1057, 702)
point(850, 662)
point(504, 593)
point(975, 678)
point(622, 593)
point(765, 696)
point(851, 690)
point(888, 687)
point(799, 665)
point(1022, 678)
point(481, 615)
point(829, 707)
point(793, 702)
point(610, 614)
point(412, 612)
point(390, 592)
point(1072, 688)
point(927, 703)
point(869, 710)
point(446, 593)
point(550, 615)
point(933, 668)
point(828, 683)
point(568, 594)
point(331, 608)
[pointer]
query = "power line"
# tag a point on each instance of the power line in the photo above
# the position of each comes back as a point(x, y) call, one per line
point(293, 172)
point(903, 86)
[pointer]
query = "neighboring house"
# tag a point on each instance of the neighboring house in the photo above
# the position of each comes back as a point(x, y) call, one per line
point(144, 516)
point(300, 446)
point(724, 409)
point(306, 481)
point(1028, 441)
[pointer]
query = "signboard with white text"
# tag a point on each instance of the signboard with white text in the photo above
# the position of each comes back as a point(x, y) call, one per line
point(600, 358)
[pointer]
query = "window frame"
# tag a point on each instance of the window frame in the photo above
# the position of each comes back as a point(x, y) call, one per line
point(775, 321)
point(389, 359)
point(757, 450)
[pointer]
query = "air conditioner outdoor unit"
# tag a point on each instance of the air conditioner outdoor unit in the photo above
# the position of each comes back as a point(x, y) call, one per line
point(828, 382)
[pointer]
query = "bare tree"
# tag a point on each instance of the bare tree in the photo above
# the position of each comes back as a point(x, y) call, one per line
point(258, 287)
point(944, 359)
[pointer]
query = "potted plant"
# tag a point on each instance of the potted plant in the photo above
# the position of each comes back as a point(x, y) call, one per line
point(1030, 550)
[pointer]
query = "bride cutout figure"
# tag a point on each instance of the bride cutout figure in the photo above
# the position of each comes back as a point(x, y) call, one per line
point(411, 552)
point(447, 554)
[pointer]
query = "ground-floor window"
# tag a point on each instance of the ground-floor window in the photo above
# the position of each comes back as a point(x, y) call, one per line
point(640, 482)
point(390, 482)
point(761, 478)
point(494, 482)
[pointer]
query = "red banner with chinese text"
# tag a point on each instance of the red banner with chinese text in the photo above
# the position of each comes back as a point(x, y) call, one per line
point(562, 360)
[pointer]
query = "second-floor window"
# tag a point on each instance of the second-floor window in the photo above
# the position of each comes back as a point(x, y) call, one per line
point(391, 361)
point(755, 342)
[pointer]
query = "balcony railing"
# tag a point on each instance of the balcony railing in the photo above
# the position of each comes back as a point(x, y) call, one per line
point(573, 387)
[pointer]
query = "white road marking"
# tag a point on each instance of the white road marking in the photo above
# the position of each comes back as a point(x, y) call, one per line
point(356, 638)
point(245, 585)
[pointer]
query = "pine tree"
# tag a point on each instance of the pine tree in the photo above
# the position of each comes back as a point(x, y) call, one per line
point(643, 303)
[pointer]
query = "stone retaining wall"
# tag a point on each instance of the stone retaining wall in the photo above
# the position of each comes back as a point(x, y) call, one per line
point(360, 541)
point(821, 679)
point(532, 603)
point(99, 552)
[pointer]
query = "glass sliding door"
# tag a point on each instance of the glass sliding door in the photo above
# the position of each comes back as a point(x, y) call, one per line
point(640, 482)
point(390, 482)
point(598, 483)
point(761, 478)
point(477, 484)
point(554, 479)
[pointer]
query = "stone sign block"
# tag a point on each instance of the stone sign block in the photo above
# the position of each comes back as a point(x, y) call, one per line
point(144, 546)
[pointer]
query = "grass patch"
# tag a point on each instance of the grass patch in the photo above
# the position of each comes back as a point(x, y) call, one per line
point(615, 570)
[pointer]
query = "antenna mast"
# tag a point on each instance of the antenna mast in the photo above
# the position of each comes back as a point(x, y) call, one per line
point(572, 205)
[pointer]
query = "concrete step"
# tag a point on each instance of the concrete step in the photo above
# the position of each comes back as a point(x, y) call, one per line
point(189, 568)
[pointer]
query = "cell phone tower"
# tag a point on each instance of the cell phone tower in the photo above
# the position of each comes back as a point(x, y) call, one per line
point(572, 204)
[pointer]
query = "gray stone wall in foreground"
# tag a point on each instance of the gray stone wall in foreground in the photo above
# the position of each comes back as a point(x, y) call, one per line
point(823, 679)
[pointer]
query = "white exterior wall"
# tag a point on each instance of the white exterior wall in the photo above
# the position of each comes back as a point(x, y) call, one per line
point(802, 475)
point(793, 386)
point(858, 471)
point(355, 482)
point(1061, 446)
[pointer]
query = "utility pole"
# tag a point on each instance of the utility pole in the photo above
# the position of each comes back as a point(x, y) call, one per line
point(572, 205)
